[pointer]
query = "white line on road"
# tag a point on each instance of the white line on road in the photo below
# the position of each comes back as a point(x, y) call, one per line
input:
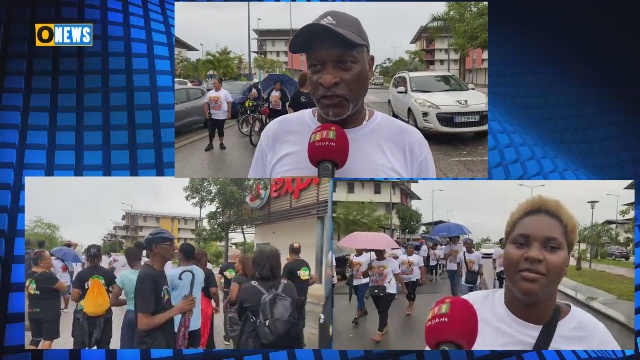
point(470, 159)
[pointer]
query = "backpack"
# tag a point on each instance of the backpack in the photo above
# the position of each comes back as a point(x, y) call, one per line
point(277, 324)
point(96, 301)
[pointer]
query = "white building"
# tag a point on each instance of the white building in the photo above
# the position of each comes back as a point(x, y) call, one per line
point(137, 224)
point(386, 194)
point(296, 210)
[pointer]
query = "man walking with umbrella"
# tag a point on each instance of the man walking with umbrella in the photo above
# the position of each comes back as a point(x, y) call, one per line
point(154, 311)
point(451, 252)
point(181, 287)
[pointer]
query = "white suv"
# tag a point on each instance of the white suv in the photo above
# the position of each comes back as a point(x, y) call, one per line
point(437, 101)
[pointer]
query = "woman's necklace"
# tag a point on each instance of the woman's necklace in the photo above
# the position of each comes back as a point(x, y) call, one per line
point(366, 117)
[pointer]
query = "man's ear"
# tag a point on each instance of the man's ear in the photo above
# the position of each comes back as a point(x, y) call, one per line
point(371, 63)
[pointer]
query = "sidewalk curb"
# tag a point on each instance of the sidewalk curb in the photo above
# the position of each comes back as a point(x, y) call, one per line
point(195, 138)
point(605, 310)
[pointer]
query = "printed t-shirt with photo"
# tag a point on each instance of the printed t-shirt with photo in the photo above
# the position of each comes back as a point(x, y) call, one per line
point(452, 261)
point(359, 264)
point(274, 100)
point(473, 262)
point(434, 255)
point(498, 255)
point(218, 103)
point(382, 273)
point(410, 267)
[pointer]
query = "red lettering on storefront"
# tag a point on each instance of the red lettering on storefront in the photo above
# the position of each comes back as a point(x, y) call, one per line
point(293, 186)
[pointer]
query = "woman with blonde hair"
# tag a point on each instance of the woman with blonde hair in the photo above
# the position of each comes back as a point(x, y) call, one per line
point(539, 235)
point(243, 275)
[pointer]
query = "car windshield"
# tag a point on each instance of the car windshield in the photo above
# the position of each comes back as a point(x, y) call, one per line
point(182, 82)
point(378, 78)
point(437, 83)
point(618, 248)
point(488, 246)
point(233, 87)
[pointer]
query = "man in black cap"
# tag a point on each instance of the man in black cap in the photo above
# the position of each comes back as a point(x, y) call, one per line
point(154, 312)
point(298, 271)
point(339, 68)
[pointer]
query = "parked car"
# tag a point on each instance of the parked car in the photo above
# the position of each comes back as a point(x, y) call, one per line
point(437, 101)
point(235, 89)
point(189, 107)
point(377, 81)
point(618, 252)
point(342, 260)
point(182, 82)
point(487, 250)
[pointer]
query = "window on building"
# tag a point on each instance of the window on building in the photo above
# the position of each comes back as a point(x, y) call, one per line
point(273, 43)
point(286, 43)
point(157, 220)
point(186, 221)
point(351, 187)
point(446, 51)
point(441, 62)
point(455, 62)
point(277, 53)
point(144, 219)
point(377, 188)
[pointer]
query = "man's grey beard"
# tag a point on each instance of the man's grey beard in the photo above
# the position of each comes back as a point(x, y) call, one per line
point(331, 116)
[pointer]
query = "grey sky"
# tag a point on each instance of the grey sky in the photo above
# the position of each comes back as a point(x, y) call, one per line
point(386, 24)
point(84, 207)
point(491, 202)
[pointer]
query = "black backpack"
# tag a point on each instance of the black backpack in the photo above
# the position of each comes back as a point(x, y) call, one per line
point(277, 324)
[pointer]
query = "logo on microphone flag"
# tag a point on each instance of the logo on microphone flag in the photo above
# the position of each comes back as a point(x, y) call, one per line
point(439, 309)
point(323, 134)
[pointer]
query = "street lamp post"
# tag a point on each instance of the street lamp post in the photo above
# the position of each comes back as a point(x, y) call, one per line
point(615, 228)
point(258, 52)
point(448, 211)
point(391, 209)
point(202, 46)
point(249, 37)
point(531, 187)
point(129, 230)
point(482, 224)
point(432, 196)
point(394, 51)
point(593, 206)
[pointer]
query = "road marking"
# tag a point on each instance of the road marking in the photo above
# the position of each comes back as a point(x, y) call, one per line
point(470, 159)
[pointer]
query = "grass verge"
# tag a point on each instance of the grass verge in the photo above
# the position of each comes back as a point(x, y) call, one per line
point(619, 263)
point(620, 286)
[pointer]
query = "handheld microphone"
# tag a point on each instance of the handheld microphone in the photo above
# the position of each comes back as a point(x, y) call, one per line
point(452, 324)
point(328, 149)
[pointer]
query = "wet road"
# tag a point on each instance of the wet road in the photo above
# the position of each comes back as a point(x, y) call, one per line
point(66, 342)
point(407, 333)
point(462, 155)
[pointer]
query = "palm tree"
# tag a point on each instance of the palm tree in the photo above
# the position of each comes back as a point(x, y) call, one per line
point(438, 25)
point(222, 63)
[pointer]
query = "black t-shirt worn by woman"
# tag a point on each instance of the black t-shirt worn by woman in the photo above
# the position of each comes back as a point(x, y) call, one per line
point(152, 297)
point(249, 296)
point(209, 282)
point(301, 100)
point(44, 298)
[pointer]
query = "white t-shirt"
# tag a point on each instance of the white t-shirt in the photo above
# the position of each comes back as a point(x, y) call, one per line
point(395, 253)
point(274, 100)
point(218, 103)
point(434, 255)
point(452, 261)
point(498, 255)
point(424, 250)
point(62, 272)
point(499, 329)
point(474, 261)
point(168, 267)
point(410, 267)
point(400, 150)
point(382, 273)
point(359, 264)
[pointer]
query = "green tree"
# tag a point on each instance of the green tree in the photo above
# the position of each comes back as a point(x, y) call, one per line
point(410, 220)
point(222, 63)
point(468, 25)
point(185, 67)
point(39, 229)
point(198, 192)
point(270, 66)
point(350, 217)
point(247, 248)
point(215, 252)
point(628, 235)
point(112, 246)
point(206, 236)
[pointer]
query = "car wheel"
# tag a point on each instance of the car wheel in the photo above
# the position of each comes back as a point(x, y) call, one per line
point(412, 119)
point(391, 113)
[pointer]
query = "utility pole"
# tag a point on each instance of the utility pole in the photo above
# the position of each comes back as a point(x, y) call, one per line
point(593, 206)
point(531, 187)
point(615, 228)
point(249, 38)
point(432, 204)
point(391, 209)
point(394, 51)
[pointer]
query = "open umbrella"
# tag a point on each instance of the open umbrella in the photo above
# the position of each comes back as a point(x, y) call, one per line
point(67, 255)
point(449, 229)
point(431, 239)
point(288, 84)
point(368, 240)
point(182, 340)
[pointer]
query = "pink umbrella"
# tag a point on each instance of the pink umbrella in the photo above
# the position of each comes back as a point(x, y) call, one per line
point(368, 240)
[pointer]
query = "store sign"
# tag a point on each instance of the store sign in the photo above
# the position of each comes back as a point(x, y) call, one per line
point(293, 186)
point(260, 194)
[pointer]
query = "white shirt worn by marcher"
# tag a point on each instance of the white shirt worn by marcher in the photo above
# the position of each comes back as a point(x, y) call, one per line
point(359, 264)
point(578, 330)
point(383, 147)
point(498, 255)
point(383, 273)
point(410, 267)
point(218, 103)
point(62, 271)
point(473, 262)
point(453, 260)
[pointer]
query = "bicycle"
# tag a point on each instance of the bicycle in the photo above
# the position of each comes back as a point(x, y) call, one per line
point(245, 116)
point(258, 124)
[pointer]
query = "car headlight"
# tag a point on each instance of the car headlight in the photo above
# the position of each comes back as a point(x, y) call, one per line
point(426, 104)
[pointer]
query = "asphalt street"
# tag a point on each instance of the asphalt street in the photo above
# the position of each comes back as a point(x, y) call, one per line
point(407, 332)
point(66, 342)
point(461, 155)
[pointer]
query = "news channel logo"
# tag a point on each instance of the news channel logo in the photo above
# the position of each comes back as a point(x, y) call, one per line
point(64, 34)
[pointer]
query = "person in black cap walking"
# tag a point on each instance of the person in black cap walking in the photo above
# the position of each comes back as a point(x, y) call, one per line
point(339, 68)
point(154, 312)
point(298, 271)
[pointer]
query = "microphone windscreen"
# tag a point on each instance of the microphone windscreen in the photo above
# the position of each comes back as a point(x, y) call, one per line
point(451, 320)
point(328, 142)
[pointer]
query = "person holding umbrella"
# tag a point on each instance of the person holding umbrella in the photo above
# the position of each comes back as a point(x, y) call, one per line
point(181, 287)
point(154, 312)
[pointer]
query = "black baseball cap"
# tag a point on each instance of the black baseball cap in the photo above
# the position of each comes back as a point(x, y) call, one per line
point(158, 236)
point(343, 24)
